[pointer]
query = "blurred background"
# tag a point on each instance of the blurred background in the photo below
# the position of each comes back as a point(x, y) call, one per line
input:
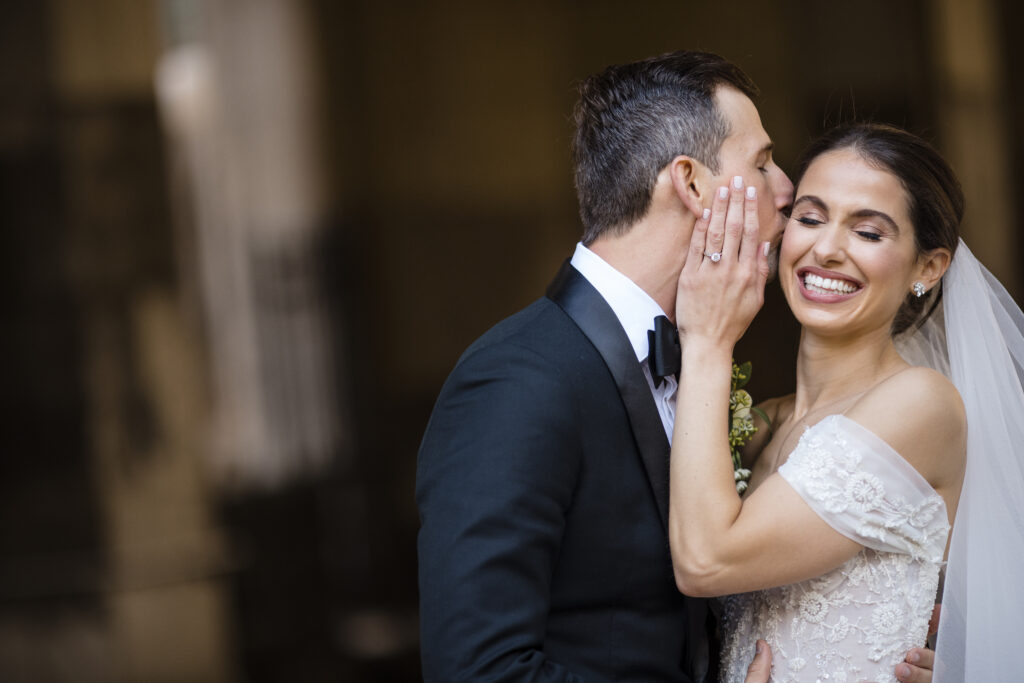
point(244, 241)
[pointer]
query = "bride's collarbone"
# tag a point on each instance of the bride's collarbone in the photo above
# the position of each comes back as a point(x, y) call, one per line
point(787, 432)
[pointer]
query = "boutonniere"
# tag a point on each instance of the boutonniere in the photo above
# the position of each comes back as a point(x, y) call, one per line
point(741, 422)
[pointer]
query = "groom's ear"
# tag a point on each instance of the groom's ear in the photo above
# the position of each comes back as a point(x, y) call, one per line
point(689, 183)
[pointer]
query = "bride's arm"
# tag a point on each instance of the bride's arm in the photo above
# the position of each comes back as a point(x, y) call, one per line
point(715, 549)
point(719, 544)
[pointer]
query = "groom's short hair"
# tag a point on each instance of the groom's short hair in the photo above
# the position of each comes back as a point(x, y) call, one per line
point(633, 119)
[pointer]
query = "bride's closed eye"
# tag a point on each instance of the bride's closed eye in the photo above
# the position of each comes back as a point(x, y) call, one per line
point(808, 220)
point(869, 230)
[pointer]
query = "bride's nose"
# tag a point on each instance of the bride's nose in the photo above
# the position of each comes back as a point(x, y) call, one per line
point(830, 245)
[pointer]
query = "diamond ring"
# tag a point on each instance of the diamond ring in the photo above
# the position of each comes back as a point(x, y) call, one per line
point(715, 257)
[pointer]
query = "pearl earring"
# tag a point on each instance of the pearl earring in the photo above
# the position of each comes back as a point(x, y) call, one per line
point(918, 290)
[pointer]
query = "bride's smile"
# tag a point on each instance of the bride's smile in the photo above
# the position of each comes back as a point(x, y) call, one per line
point(826, 286)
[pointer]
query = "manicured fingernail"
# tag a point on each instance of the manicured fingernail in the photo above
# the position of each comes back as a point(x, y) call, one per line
point(758, 647)
point(767, 248)
point(914, 657)
point(707, 212)
point(723, 192)
point(902, 672)
point(737, 182)
point(751, 192)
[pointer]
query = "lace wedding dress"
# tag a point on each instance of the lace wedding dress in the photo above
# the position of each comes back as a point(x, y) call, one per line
point(856, 622)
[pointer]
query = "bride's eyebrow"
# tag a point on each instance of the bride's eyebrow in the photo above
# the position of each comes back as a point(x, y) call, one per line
point(862, 213)
point(817, 201)
point(872, 213)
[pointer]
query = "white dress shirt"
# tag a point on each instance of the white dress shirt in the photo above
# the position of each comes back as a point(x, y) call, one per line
point(636, 311)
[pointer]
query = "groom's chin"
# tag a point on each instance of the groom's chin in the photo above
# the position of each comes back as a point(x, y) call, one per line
point(773, 264)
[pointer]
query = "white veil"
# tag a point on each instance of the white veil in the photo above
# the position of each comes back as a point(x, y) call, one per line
point(980, 347)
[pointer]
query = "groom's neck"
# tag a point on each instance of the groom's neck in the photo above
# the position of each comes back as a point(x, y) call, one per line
point(650, 253)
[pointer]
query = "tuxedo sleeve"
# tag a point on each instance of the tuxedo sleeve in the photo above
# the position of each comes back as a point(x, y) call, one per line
point(495, 476)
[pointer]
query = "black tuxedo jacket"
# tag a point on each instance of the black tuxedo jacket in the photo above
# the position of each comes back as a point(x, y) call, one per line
point(542, 486)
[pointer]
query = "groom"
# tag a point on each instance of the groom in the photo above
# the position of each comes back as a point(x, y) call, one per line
point(542, 479)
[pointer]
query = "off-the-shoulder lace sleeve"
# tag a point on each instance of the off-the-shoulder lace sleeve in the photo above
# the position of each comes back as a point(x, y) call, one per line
point(866, 491)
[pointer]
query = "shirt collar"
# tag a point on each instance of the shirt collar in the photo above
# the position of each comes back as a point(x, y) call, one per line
point(634, 307)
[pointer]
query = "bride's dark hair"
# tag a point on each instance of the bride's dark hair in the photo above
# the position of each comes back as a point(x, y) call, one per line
point(935, 200)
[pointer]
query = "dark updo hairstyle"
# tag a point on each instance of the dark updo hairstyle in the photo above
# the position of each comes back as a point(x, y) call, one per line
point(935, 201)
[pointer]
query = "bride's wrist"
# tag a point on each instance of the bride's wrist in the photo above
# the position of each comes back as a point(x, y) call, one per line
point(706, 351)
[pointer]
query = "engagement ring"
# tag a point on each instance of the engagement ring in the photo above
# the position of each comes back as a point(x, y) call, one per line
point(715, 258)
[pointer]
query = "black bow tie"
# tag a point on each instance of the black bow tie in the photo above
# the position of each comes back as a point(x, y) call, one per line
point(663, 350)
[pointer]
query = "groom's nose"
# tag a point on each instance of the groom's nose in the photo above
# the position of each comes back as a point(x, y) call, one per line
point(783, 193)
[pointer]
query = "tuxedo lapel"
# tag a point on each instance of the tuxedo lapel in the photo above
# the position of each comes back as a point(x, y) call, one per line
point(595, 318)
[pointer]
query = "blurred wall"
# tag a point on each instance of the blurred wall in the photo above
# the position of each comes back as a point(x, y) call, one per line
point(111, 558)
point(439, 136)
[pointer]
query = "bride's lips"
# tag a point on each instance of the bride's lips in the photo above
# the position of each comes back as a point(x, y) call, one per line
point(819, 296)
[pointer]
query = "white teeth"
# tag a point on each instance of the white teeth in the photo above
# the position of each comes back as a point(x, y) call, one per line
point(825, 285)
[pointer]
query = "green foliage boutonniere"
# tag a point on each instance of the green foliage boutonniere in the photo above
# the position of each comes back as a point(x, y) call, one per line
point(741, 423)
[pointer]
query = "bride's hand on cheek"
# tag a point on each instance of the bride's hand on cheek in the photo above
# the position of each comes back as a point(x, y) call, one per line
point(717, 299)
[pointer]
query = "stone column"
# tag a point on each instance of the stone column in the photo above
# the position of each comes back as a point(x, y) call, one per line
point(239, 103)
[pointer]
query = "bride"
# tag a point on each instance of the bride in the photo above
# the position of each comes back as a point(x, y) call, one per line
point(833, 555)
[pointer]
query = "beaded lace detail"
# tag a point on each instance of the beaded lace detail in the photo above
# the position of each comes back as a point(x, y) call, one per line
point(856, 622)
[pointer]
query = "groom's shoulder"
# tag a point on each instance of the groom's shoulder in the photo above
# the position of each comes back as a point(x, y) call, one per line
point(539, 325)
point(532, 347)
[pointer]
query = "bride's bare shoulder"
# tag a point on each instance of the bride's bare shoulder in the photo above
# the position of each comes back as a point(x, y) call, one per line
point(924, 393)
point(778, 408)
point(920, 414)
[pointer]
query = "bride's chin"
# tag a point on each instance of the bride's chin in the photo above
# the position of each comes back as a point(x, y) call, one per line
point(824, 325)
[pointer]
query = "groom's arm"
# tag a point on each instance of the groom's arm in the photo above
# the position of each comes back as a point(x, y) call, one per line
point(496, 472)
